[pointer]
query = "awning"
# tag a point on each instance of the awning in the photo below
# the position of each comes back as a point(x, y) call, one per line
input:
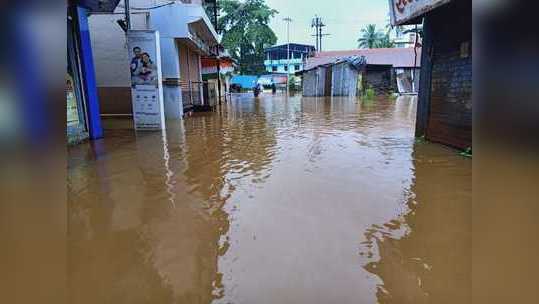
point(98, 6)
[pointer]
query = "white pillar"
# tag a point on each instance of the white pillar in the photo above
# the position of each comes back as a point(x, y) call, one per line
point(170, 58)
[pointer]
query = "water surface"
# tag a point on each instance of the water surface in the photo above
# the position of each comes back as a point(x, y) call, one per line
point(273, 200)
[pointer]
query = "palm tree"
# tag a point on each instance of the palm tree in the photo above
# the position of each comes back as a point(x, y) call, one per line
point(370, 37)
point(385, 42)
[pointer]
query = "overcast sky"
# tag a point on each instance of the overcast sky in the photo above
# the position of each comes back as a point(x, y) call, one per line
point(344, 20)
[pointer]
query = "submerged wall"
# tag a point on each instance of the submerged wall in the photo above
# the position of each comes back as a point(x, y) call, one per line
point(314, 82)
point(380, 78)
point(344, 80)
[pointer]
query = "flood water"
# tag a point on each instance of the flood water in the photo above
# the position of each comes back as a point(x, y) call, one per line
point(274, 200)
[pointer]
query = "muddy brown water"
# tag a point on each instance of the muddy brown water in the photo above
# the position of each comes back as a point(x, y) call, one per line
point(274, 200)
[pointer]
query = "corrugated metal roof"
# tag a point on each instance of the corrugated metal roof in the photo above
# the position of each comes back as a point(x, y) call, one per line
point(397, 57)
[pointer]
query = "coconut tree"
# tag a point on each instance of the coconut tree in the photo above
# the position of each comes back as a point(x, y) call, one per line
point(370, 37)
point(385, 42)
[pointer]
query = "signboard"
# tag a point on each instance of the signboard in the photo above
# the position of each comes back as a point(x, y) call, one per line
point(402, 11)
point(146, 79)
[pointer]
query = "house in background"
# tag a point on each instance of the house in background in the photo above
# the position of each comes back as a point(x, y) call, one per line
point(405, 37)
point(278, 79)
point(186, 35)
point(339, 78)
point(444, 110)
point(387, 70)
point(276, 58)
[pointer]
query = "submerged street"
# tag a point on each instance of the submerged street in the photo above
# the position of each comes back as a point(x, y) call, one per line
point(271, 200)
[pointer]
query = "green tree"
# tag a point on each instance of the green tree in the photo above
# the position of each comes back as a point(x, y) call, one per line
point(372, 38)
point(385, 42)
point(245, 29)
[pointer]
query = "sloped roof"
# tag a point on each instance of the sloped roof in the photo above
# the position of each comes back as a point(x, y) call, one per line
point(396, 57)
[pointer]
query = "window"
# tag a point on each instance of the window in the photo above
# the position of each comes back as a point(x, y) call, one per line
point(296, 67)
point(286, 68)
point(274, 68)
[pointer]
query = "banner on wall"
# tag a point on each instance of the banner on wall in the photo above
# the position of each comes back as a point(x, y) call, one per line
point(146, 79)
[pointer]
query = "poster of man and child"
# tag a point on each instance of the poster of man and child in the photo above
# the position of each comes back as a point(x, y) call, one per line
point(143, 70)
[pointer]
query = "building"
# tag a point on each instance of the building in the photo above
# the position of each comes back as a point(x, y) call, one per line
point(406, 37)
point(276, 58)
point(280, 80)
point(387, 70)
point(315, 81)
point(186, 35)
point(83, 107)
point(227, 66)
point(444, 112)
point(339, 78)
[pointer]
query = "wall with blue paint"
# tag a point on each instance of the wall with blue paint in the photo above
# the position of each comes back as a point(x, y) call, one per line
point(88, 74)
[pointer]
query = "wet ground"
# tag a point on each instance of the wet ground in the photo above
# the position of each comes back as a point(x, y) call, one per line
point(275, 200)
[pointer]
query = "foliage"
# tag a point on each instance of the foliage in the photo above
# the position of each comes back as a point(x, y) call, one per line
point(292, 86)
point(391, 96)
point(369, 37)
point(246, 32)
point(372, 38)
point(420, 140)
point(369, 94)
point(467, 152)
point(385, 42)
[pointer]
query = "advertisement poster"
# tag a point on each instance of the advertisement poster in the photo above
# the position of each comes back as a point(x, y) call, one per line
point(146, 79)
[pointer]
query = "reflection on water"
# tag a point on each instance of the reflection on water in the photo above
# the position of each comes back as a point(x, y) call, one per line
point(274, 200)
point(424, 254)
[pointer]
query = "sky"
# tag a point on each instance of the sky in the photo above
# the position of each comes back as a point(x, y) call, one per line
point(344, 20)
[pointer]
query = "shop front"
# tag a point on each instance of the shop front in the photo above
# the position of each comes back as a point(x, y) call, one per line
point(82, 104)
point(444, 108)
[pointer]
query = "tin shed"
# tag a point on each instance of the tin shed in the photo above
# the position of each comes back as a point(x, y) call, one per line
point(314, 82)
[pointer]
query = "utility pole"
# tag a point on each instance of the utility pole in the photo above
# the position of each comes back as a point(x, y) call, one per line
point(215, 20)
point(288, 20)
point(314, 24)
point(127, 15)
point(318, 24)
point(320, 34)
